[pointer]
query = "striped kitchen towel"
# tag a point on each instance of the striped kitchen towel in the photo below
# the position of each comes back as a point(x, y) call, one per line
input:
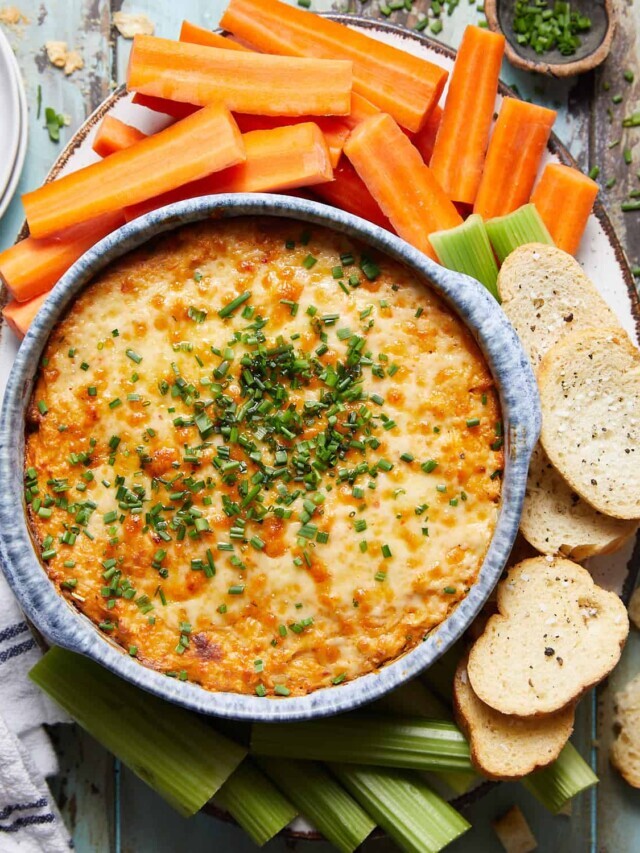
point(29, 819)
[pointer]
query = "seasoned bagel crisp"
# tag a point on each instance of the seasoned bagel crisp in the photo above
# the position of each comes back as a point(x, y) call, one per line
point(504, 746)
point(555, 520)
point(555, 636)
point(590, 395)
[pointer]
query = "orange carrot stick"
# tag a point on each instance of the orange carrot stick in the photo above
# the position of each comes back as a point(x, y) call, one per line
point(400, 83)
point(205, 142)
point(18, 315)
point(425, 139)
point(461, 143)
point(114, 135)
point(199, 35)
point(246, 82)
point(399, 181)
point(278, 159)
point(175, 109)
point(361, 109)
point(564, 198)
point(334, 129)
point(348, 192)
point(33, 266)
point(517, 144)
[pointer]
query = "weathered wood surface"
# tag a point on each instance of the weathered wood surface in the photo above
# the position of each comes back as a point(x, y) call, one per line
point(108, 809)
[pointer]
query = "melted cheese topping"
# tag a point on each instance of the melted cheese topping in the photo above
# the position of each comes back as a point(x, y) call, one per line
point(272, 500)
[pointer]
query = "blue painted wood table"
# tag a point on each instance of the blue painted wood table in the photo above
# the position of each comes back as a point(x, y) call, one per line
point(107, 808)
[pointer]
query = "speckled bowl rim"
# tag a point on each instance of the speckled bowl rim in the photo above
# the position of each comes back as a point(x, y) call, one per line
point(62, 624)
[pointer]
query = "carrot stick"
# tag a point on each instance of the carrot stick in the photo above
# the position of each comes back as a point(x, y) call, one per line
point(334, 129)
point(199, 35)
point(361, 109)
point(564, 198)
point(246, 82)
point(461, 143)
point(203, 143)
point(517, 144)
point(18, 315)
point(397, 82)
point(348, 192)
point(425, 139)
point(278, 159)
point(175, 109)
point(114, 135)
point(33, 266)
point(397, 178)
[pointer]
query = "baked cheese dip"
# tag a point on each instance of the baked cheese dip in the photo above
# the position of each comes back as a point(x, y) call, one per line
point(261, 458)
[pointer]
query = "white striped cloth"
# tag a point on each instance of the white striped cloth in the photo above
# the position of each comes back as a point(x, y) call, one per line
point(29, 819)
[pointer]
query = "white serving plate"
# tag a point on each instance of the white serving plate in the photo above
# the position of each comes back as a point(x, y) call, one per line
point(14, 123)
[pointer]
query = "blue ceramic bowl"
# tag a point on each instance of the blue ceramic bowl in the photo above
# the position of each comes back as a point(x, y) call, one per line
point(62, 625)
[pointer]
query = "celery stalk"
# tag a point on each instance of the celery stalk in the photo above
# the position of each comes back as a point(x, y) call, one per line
point(524, 225)
point(174, 751)
point(404, 806)
point(255, 802)
point(415, 698)
point(466, 248)
point(558, 783)
point(363, 739)
point(439, 676)
point(322, 800)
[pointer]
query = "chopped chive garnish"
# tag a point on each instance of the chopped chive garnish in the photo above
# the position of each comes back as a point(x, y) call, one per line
point(429, 466)
point(281, 690)
point(133, 355)
point(309, 262)
point(42, 407)
point(386, 551)
point(236, 589)
point(473, 422)
point(230, 307)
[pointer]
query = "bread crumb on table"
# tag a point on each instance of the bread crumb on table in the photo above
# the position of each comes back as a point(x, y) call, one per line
point(130, 24)
point(60, 56)
point(514, 833)
point(11, 16)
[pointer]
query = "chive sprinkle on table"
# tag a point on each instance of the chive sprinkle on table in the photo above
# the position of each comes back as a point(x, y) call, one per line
point(106, 807)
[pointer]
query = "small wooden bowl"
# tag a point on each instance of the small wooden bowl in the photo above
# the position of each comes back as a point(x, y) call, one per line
point(595, 47)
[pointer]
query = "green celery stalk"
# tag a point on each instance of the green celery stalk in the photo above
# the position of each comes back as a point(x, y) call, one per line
point(322, 800)
point(404, 806)
point(174, 751)
point(415, 698)
point(255, 802)
point(558, 783)
point(439, 676)
point(466, 248)
point(523, 226)
point(363, 739)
